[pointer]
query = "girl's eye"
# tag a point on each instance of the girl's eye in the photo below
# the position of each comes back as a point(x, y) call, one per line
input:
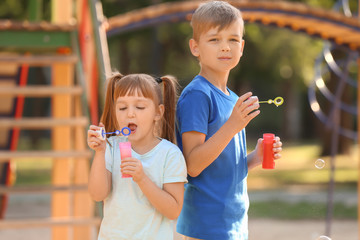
point(122, 108)
point(140, 108)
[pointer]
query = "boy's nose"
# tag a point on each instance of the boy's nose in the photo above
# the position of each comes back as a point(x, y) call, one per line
point(225, 47)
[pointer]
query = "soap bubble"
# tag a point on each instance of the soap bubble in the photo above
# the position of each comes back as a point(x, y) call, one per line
point(319, 164)
point(323, 238)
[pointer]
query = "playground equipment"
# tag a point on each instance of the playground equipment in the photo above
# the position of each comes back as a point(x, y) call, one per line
point(68, 49)
point(341, 29)
point(81, 51)
point(328, 25)
point(340, 68)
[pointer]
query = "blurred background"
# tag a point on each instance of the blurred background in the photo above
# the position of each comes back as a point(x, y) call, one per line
point(276, 62)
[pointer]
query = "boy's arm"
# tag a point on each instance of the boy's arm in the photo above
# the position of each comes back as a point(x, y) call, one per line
point(199, 154)
point(254, 158)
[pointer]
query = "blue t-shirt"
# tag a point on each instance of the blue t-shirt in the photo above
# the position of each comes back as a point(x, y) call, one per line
point(215, 202)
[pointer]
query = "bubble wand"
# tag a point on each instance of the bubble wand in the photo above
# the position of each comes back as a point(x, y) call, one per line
point(125, 131)
point(269, 138)
point(277, 101)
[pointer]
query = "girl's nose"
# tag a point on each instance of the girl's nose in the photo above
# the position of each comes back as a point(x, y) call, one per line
point(131, 113)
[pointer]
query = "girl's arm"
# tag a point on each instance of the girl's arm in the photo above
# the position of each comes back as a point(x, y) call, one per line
point(168, 201)
point(99, 185)
point(200, 154)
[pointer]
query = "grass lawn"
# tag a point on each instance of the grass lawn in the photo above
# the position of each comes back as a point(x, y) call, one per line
point(32, 171)
point(297, 167)
point(296, 170)
point(297, 211)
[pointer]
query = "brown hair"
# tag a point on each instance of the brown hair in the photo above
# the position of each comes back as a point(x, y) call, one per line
point(214, 14)
point(120, 85)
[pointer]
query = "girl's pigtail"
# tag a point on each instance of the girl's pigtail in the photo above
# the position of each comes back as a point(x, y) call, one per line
point(169, 100)
point(108, 117)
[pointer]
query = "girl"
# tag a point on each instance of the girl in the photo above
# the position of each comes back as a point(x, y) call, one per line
point(141, 207)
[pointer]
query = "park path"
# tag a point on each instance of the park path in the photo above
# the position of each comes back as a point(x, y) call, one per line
point(38, 206)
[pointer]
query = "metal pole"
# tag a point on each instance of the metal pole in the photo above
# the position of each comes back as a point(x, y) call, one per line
point(358, 127)
point(335, 125)
point(102, 50)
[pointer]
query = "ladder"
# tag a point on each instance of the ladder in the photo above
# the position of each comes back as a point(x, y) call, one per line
point(56, 46)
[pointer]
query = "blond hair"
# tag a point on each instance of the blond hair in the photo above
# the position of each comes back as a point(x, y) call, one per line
point(214, 14)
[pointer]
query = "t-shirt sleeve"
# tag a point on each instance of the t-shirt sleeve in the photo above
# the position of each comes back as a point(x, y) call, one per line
point(175, 167)
point(193, 112)
point(108, 157)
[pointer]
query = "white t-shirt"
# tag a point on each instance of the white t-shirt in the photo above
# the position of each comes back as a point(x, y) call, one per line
point(128, 214)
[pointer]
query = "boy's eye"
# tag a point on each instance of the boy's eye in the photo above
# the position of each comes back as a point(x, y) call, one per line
point(140, 107)
point(213, 40)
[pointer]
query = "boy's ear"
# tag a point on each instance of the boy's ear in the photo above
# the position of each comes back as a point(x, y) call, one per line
point(242, 46)
point(194, 47)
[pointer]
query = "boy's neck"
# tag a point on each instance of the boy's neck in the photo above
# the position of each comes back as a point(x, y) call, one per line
point(218, 79)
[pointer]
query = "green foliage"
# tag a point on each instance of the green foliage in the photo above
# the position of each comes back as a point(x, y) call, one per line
point(158, 51)
point(13, 9)
point(18, 9)
point(276, 62)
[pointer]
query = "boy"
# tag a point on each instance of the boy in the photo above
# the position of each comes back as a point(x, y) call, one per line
point(211, 130)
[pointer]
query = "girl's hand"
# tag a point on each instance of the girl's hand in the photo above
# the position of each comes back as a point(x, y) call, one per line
point(133, 167)
point(93, 140)
point(245, 109)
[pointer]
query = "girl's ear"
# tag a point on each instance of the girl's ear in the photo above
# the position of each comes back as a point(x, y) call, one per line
point(194, 47)
point(160, 112)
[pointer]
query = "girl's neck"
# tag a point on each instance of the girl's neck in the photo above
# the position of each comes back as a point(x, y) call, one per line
point(145, 145)
point(218, 79)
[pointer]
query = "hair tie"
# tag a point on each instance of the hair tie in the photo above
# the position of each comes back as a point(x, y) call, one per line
point(158, 80)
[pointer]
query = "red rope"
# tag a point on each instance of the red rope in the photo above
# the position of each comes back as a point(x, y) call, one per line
point(19, 108)
point(94, 98)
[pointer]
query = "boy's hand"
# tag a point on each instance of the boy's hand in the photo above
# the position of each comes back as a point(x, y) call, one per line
point(277, 148)
point(257, 155)
point(93, 140)
point(133, 167)
point(244, 111)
